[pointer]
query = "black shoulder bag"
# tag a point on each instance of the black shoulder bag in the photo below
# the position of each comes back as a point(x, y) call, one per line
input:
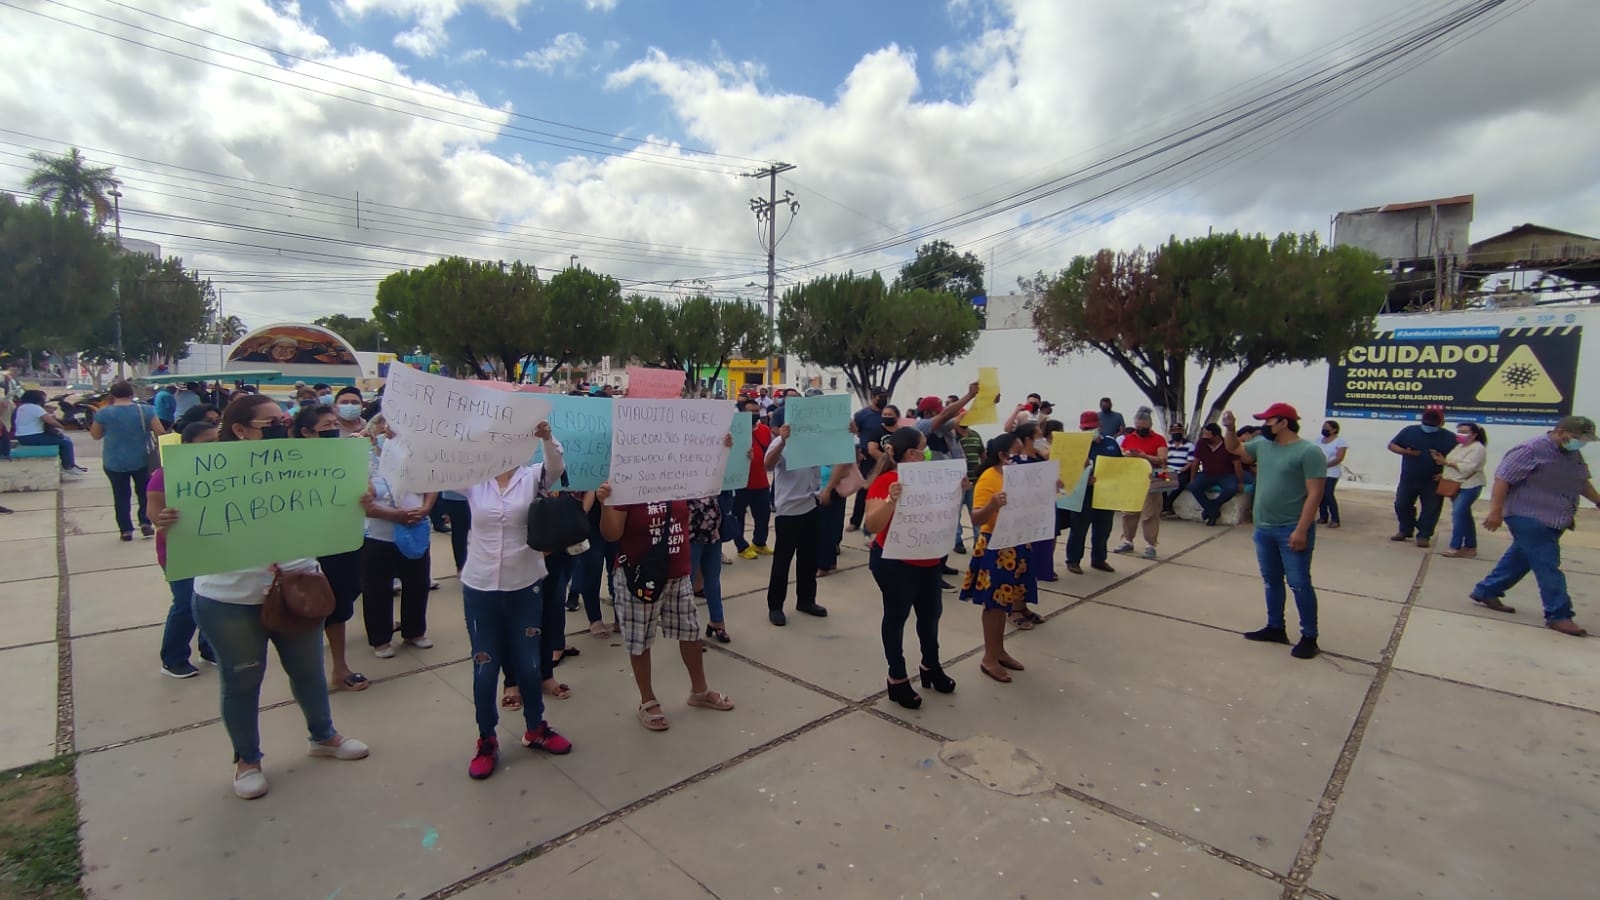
point(556, 521)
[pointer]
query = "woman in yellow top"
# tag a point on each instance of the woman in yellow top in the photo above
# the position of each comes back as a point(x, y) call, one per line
point(996, 579)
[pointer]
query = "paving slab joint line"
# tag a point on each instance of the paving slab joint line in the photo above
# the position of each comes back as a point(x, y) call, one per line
point(1565, 707)
point(601, 821)
point(1311, 846)
point(65, 737)
point(645, 839)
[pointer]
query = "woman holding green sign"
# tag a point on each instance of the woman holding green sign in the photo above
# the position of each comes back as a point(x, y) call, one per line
point(227, 606)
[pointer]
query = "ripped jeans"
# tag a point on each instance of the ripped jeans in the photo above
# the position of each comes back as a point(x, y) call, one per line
point(504, 625)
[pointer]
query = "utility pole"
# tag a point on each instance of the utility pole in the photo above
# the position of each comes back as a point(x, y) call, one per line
point(116, 285)
point(767, 211)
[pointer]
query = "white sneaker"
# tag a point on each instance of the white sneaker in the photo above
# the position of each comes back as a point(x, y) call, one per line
point(347, 748)
point(1149, 553)
point(384, 652)
point(1124, 547)
point(421, 643)
point(250, 785)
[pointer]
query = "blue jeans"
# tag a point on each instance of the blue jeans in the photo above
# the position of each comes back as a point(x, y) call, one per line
point(1328, 509)
point(1463, 531)
point(758, 501)
point(240, 641)
point(181, 628)
point(1408, 497)
point(504, 625)
point(1279, 564)
point(587, 568)
point(830, 533)
point(1535, 548)
point(553, 616)
point(707, 560)
point(1226, 485)
point(68, 453)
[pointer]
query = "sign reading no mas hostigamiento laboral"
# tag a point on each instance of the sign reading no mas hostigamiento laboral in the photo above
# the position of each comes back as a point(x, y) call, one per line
point(243, 504)
point(1487, 374)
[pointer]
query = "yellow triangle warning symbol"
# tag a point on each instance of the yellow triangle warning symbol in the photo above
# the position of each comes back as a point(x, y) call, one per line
point(1520, 379)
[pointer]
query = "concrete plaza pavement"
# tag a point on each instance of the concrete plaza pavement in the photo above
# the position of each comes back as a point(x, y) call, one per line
point(1434, 750)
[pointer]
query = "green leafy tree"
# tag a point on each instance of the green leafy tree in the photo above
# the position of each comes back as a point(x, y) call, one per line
point(1224, 302)
point(224, 331)
point(939, 268)
point(70, 184)
point(362, 334)
point(583, 318)
point(874, 333)
point(487, 316)
point(56, 273)
point(163, 305)
point(696, 333)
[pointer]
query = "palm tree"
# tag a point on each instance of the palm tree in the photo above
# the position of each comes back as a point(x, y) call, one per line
point(230, 329)
point(71, 184)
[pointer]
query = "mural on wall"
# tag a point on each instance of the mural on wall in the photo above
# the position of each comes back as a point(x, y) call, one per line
point(1520, 375)
point(283, 345)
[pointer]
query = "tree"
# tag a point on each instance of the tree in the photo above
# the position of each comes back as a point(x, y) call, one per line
point(362, 334)
point(582, 319)
point(939, 268)
point(55, 277)
point(1220, 301)
point(486, 316)
point(872, 332)
point(696, 333)
point(226, 331)
point(163, 305)
point(70, 184)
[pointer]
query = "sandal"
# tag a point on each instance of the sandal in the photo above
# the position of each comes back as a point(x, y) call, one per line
point(1009, 663)
point(354, 683)
point(599, 630)
point(1022, 621)
point(512, 702)
point(1033, 617)
point(1001, 677)
point(654, 721)
point(711, 700)
point(559, 691)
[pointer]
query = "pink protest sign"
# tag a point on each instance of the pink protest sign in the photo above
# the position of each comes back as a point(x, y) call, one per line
point(654, 384)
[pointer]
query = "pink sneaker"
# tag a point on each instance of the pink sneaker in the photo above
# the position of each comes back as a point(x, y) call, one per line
point(487, 757)
point(545, 738)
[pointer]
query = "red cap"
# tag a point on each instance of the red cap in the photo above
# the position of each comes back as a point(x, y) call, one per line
point(929, 406)
point(1279, 411)
point(1090, 419)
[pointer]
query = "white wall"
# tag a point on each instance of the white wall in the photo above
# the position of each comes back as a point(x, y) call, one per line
point(1078, 383)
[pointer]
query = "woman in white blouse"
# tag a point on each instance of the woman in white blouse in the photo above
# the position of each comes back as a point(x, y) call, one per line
point(500, 594)
point(1465, 465)
point(227, 606)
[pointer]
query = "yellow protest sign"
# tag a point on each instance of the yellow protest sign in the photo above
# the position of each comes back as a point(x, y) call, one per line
point(170, 439)
point(1069, 451)
point(982, 411)
point(1121, 483)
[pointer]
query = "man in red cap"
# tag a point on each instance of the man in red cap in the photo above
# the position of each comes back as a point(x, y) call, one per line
point(1290, 473)
point(1419, 476)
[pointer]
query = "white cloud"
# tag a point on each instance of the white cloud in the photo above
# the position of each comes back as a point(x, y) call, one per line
point(428, 34)
point(563, 50)
point(1050, 86)
point(600, 5)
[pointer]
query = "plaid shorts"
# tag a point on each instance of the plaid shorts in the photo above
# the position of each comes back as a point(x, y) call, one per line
point(673, 609)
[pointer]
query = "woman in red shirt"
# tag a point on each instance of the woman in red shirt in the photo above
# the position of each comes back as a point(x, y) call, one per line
point(907, 584)
point(652, 589)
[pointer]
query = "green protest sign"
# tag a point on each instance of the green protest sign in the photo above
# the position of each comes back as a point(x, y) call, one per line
point(243, 504)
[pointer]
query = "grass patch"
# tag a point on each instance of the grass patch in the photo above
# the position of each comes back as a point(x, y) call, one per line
point(39, 832)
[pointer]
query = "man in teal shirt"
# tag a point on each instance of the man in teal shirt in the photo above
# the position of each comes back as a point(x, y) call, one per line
point(1289, 484)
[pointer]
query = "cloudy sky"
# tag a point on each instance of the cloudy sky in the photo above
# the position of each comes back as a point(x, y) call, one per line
point(618, 130)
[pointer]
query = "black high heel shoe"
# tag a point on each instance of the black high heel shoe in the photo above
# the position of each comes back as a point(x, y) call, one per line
point(904, 695)
point(938, 680)
point(721, 634)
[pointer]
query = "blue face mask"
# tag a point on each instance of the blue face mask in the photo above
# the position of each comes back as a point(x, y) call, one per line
point(1429, 429)
point(1573, 445)
point(325, 399)
point(382, 439)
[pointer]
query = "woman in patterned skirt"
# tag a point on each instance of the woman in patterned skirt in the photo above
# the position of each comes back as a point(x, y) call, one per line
point(996, 580)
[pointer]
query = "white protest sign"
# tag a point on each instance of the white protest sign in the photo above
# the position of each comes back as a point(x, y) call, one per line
point(924, 523)
point(452, 434)
point(668, 449)
point(1030, 511)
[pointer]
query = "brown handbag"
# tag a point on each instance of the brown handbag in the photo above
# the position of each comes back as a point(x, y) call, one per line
point(1447, 488)
point(296, 602)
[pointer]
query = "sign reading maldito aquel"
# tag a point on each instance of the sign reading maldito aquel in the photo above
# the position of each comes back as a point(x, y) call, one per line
point(1488, 374)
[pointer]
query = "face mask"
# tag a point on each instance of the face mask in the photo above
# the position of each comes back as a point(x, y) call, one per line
point(1327, 433)
point(1175, 438)
point(306, 403)
point(927, 455)
point(350, 411)
point(1463, 438)
point(1429, 429)
point(382, 439)
point(890, 420)
point(274, 432)
point(329, 433)
point(1142, 432)
point(1573, 445)
point(325, 399)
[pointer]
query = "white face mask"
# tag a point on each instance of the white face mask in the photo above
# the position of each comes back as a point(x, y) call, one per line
point(349, 411)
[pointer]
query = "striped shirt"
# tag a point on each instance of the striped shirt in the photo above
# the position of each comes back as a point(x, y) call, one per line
point(1178, 455)
point(1546, 481)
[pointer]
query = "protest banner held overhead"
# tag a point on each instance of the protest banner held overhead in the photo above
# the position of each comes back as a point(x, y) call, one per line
point(819, 431)
point(455, 434)
point(1487, 374)
point(983, 410)
point(668, 449)
point(654, 384)
point(928, 512)
point(249, 503)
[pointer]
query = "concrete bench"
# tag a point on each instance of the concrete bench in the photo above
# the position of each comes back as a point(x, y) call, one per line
point(1233, 512)
point(30, 469)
